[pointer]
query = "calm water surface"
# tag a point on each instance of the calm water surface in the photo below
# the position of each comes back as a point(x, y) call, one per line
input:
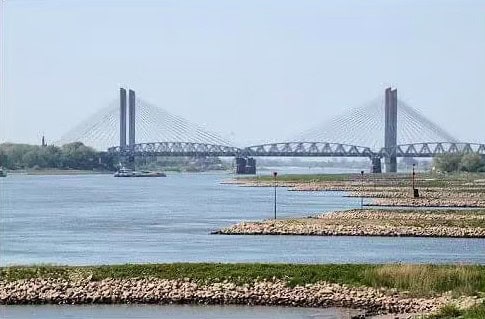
point(172, 311)
point(98, 219)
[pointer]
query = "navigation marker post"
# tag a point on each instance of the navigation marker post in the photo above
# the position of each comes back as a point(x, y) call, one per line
point(361, 189)
point(274, 179)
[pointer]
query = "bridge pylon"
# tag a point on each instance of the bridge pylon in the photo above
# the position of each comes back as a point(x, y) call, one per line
point(122, 118)
point(127, 112)
point(390, 134)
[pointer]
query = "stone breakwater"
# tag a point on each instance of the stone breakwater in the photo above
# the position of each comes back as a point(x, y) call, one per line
point(369, 223)
point(387, 195)
point(186, 291)
point(428, 215)
point(429, 202)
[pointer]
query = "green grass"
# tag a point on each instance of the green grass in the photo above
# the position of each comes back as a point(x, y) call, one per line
point(301, 178)
point(428, 279)
point(451, 312)
point(398, 180)
point(419, 280)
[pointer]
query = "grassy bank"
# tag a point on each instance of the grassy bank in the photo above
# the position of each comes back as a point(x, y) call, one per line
point(418, 280)
point(398, 179)
point(450, 312)
point(55, 172)
point(305, 178)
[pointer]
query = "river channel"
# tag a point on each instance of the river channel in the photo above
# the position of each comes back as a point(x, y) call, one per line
point(99, 219)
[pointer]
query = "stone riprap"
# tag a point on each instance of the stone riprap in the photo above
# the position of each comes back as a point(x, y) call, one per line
point(186, 291)
point(371, 223)
point(392, 194)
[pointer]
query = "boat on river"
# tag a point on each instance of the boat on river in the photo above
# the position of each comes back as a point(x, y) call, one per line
point(3, 173)
point(126, 172)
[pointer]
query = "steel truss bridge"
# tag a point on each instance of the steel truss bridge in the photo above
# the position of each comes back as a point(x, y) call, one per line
point(384, 129)
point(296, 149)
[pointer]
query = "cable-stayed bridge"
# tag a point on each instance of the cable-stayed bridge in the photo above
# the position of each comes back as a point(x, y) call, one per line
point(385, 128)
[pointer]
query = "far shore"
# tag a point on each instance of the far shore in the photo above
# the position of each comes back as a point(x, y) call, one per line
point(56, 172)
point(60, 172)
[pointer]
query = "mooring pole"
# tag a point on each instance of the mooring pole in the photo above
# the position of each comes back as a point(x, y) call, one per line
point(414, 175)
point(274, 179)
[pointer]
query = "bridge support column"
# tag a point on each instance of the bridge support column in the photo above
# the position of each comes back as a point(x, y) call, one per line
point(245, 165)
point(390, 135)
point(122, 119)
point(131, 101)
point(132, 131)
point(376, 166)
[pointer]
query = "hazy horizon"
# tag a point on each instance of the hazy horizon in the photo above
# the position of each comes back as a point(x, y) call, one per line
point(253, 71)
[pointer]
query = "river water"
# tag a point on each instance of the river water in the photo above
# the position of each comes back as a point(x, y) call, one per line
point(171, 311)
point(98, 219)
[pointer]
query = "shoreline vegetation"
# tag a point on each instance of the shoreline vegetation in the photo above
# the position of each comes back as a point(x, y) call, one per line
point(77, 158)
point(373, 289)
point(55, 172)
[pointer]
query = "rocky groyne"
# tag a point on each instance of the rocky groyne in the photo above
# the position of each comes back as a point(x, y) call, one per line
point(388, 192)
point(371, 223)
point(186, 291)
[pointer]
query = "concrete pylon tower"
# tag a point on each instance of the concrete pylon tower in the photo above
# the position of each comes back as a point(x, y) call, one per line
point(122, 118)
point(390, 135)
point(131, 107)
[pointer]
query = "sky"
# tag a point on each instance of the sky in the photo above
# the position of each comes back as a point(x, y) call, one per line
point(252, 70)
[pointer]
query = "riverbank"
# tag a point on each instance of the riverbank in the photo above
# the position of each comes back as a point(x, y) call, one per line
point(370, 288)
point(372, 222)
point(55, 172)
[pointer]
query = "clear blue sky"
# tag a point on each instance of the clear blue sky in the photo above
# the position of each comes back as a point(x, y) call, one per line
point(257, 69)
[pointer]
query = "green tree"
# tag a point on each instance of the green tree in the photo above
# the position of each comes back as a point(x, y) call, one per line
point(33, 158)
point(73, 155)
point(78, 156)
point(471, 162)
point(447, 162)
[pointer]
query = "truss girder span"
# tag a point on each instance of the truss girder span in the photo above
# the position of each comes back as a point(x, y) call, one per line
point(307, 149)
point(435, 149)
point(188, 149)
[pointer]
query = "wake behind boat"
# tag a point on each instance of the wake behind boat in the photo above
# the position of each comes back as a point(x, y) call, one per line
point(126, 172)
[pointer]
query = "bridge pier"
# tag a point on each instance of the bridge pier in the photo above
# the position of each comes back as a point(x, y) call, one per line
point(245, 166)
point(390, 134)
point(376, 166)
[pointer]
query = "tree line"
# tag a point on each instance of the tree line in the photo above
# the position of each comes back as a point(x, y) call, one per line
point(470, 162)
point(69, 156)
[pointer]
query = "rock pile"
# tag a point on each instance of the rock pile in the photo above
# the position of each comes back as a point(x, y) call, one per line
point(186, 291)
point(370, 223)
point(390, 193)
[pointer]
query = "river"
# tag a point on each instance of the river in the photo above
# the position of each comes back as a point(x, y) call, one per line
point(98, 219)
point(169, 311)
